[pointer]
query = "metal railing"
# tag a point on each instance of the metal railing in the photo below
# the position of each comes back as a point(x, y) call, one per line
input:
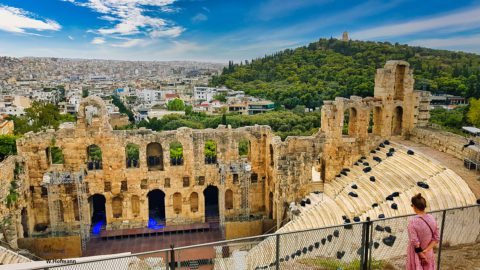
point(369, 244)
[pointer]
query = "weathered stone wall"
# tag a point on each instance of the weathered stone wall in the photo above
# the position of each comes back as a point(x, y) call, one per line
point(13, 172)
point(447, 142)
point(281, 171)
point(53, 247)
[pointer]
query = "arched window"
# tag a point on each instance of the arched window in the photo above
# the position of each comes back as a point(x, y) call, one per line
point(91, 114)
point(229, 199)
point(94, 157)
point(54, 155)
point(370, 121)
point(132, 153)
point(154, 157)
point(194, 202)
point(176, 154)
point(117, 206)
point(350, 122)
point(397, 120)
point(210, 152)
point(177, 203)
point(135, 205)
point(243, 148)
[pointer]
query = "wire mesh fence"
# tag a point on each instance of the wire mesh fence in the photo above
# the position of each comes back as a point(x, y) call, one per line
point(377, 244)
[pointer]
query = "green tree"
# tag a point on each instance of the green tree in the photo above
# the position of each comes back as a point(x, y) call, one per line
point(8, 146)
point(220, 97)
point(176, 150)
point(474, 112)
point(188, 109)
point(40, 116)
point(122, 108)
point(132, 151)
point(176, 105)
point(85, 93)
point(210, 148)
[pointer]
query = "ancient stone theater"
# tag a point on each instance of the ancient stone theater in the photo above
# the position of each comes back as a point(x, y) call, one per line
point(119, 179)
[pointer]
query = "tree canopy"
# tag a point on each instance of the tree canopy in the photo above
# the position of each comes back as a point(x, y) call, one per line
point(176, 105)
point(330, 68)
point(40, 116)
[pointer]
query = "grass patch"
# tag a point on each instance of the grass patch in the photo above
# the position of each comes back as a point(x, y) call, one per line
point(332, 264)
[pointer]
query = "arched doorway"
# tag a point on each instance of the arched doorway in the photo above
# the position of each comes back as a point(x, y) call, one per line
point(99, 217)
point(156, 207)
point(397, 120)
point(211, 202)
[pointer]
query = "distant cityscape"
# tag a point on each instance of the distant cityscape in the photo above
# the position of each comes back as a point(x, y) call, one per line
point(144, 87)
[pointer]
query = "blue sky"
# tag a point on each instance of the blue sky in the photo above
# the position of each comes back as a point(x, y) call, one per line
point(218, 31)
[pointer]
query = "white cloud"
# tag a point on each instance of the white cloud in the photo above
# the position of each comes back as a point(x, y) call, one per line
point(98, 41)
point(131, 43)
point(71, 38)
point(18, 21)
point(200, 17)
point(169, 32)
point(467, 43)
point(128, 18)
point(464, 20)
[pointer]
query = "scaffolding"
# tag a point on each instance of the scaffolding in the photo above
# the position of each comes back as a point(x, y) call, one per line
point(53, 181)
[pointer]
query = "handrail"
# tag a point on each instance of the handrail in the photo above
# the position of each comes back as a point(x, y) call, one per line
point(264, 236)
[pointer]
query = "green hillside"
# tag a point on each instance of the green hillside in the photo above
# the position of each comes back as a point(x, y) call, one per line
point(329, 68)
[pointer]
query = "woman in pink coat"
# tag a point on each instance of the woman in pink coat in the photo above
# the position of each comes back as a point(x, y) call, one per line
point(422, 236)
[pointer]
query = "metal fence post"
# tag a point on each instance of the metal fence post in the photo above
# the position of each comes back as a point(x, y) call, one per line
point(365, 244)
point(172, 257)
point(444, 215)
point(167, 267)
point(277, 252)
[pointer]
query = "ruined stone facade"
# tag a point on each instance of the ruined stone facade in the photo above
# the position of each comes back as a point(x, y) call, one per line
point(14, 196)
point(261, 183)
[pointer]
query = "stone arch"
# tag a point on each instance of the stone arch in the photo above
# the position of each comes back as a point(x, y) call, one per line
point(94, 157)
point(101, 113)
point(117, 206)
point(371, 121)
point(350, 116)
point(97, 208)
point(135, 201)
point(156, 206)
point(132, 154)
point(377, 120)
point(210, 151)
point(176, 153)
point(54, 155)
point(228, 199)
point(194, 202)
point(210, 195)
point(177, 203)
point(397, 121)
point(399, 87)
point(154, 157)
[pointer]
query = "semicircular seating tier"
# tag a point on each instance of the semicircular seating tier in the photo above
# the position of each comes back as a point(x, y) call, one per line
point(377, 186)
